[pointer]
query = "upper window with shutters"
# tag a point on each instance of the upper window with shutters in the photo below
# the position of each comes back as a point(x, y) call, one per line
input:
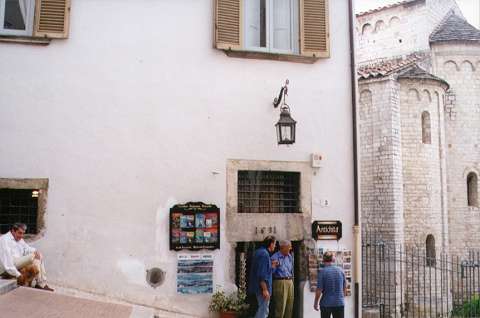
point(273, 28)
point(34, 18)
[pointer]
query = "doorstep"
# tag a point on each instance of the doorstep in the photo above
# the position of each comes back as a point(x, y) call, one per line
point(7, 285)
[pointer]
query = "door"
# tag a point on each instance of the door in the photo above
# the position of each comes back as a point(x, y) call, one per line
point(243, 261)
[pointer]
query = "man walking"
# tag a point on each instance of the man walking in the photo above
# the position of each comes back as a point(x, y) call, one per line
point(331, 284)
point(283, 281)
point(260, 279)
point(16, 254)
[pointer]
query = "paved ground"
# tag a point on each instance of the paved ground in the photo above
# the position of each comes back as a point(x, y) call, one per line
point(34, 303)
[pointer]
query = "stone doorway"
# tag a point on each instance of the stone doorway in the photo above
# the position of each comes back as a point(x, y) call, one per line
point(243, 259)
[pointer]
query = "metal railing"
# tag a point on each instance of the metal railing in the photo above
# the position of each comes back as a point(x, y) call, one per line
point(402, 281)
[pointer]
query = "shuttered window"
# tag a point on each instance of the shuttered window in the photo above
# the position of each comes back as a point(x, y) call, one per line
point(298, 27)
point(35, 18)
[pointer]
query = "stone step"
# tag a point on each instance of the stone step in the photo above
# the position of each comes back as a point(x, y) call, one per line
point(7, 285)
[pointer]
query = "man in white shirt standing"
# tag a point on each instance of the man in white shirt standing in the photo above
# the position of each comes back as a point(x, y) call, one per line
point(16, 254)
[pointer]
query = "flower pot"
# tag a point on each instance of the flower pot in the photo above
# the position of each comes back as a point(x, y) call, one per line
point(229, 314)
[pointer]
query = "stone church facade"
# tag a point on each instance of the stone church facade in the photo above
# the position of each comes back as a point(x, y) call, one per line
point(419, 119)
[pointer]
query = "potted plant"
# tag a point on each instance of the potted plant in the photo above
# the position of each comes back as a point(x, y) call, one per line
point(228, 306)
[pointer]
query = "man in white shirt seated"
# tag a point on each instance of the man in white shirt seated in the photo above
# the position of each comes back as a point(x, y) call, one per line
point(16, 254)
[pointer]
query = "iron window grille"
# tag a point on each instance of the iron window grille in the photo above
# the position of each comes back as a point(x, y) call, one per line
point(268, 192)
point(18, 205)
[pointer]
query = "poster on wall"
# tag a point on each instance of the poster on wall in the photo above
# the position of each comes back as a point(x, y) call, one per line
point(194, 226)
point(195, 274)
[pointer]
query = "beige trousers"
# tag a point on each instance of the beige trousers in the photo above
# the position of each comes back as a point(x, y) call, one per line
point(30, 259)
point(283, 298)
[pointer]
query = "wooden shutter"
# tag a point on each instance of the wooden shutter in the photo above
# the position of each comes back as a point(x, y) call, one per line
point(228, 24)
point(314, 28)
point(52, 18)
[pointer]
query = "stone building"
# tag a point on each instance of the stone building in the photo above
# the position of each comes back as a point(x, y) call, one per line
point(419, 117)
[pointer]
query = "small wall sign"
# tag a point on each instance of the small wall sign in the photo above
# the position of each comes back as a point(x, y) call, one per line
point(194, 226)
point(327, 230)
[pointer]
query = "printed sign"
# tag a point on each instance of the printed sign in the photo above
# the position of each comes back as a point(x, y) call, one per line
point(194, 226)
point(195, 274)
point(327, 230)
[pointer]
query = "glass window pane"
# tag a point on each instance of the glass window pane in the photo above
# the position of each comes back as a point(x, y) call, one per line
point(282, 24)
point(256, 23)
point(15, 14)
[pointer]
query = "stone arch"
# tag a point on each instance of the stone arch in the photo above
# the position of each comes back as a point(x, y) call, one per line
point(451, 65)
point(426, 128)
point(467, 66)
point(394, 21)
point(430, 252)
point(366, 28)
point(413, 95)
point(426, 96)
point(472, 189)
point(379, 26)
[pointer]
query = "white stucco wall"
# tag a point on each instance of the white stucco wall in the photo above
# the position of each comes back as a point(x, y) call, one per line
point(134, 112)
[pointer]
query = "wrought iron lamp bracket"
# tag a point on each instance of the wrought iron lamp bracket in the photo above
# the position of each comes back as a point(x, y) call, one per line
point(282, 96)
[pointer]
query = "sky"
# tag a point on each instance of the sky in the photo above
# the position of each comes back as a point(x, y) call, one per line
point(470, 8)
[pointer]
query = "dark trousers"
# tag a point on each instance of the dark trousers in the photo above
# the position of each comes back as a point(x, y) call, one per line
point(335, 312)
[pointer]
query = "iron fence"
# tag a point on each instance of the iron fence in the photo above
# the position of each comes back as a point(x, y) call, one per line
point(403, 281)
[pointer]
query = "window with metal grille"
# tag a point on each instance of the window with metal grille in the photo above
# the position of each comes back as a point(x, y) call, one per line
point(18, 205)
point(268, 192)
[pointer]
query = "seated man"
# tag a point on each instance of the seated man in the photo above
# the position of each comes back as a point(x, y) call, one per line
point(15, 254)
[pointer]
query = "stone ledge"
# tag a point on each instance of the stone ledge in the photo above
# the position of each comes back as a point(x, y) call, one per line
point(7, 285)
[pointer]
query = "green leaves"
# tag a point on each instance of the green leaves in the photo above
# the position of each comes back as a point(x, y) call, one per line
point(234, 302)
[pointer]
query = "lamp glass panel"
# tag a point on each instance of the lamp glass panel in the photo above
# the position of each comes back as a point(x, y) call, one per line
point(286, 132)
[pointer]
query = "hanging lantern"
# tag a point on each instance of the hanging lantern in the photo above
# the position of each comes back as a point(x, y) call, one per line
point(285, 127)
point(286, 124)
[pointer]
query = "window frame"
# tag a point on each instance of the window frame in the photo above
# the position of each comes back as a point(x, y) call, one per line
point(294, 30)
point(472, 190)
point(426, 128)
point(42, 185)
point(29, 21)
point(430, 251)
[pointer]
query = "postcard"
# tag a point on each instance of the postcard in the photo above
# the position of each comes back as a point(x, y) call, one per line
point(187, 221)
point(199, 220)
point(199, 236)
point(176, 220)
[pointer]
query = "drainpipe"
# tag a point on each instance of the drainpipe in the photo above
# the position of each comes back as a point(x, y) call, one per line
point(356, 226)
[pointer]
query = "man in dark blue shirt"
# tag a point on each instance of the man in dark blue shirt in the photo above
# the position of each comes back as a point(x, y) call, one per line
point(260, 279)
point(283, 281)
point(331, 286)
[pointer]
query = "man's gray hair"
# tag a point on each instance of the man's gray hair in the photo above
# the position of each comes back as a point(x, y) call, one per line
point(285, 243)
point(16, 226)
